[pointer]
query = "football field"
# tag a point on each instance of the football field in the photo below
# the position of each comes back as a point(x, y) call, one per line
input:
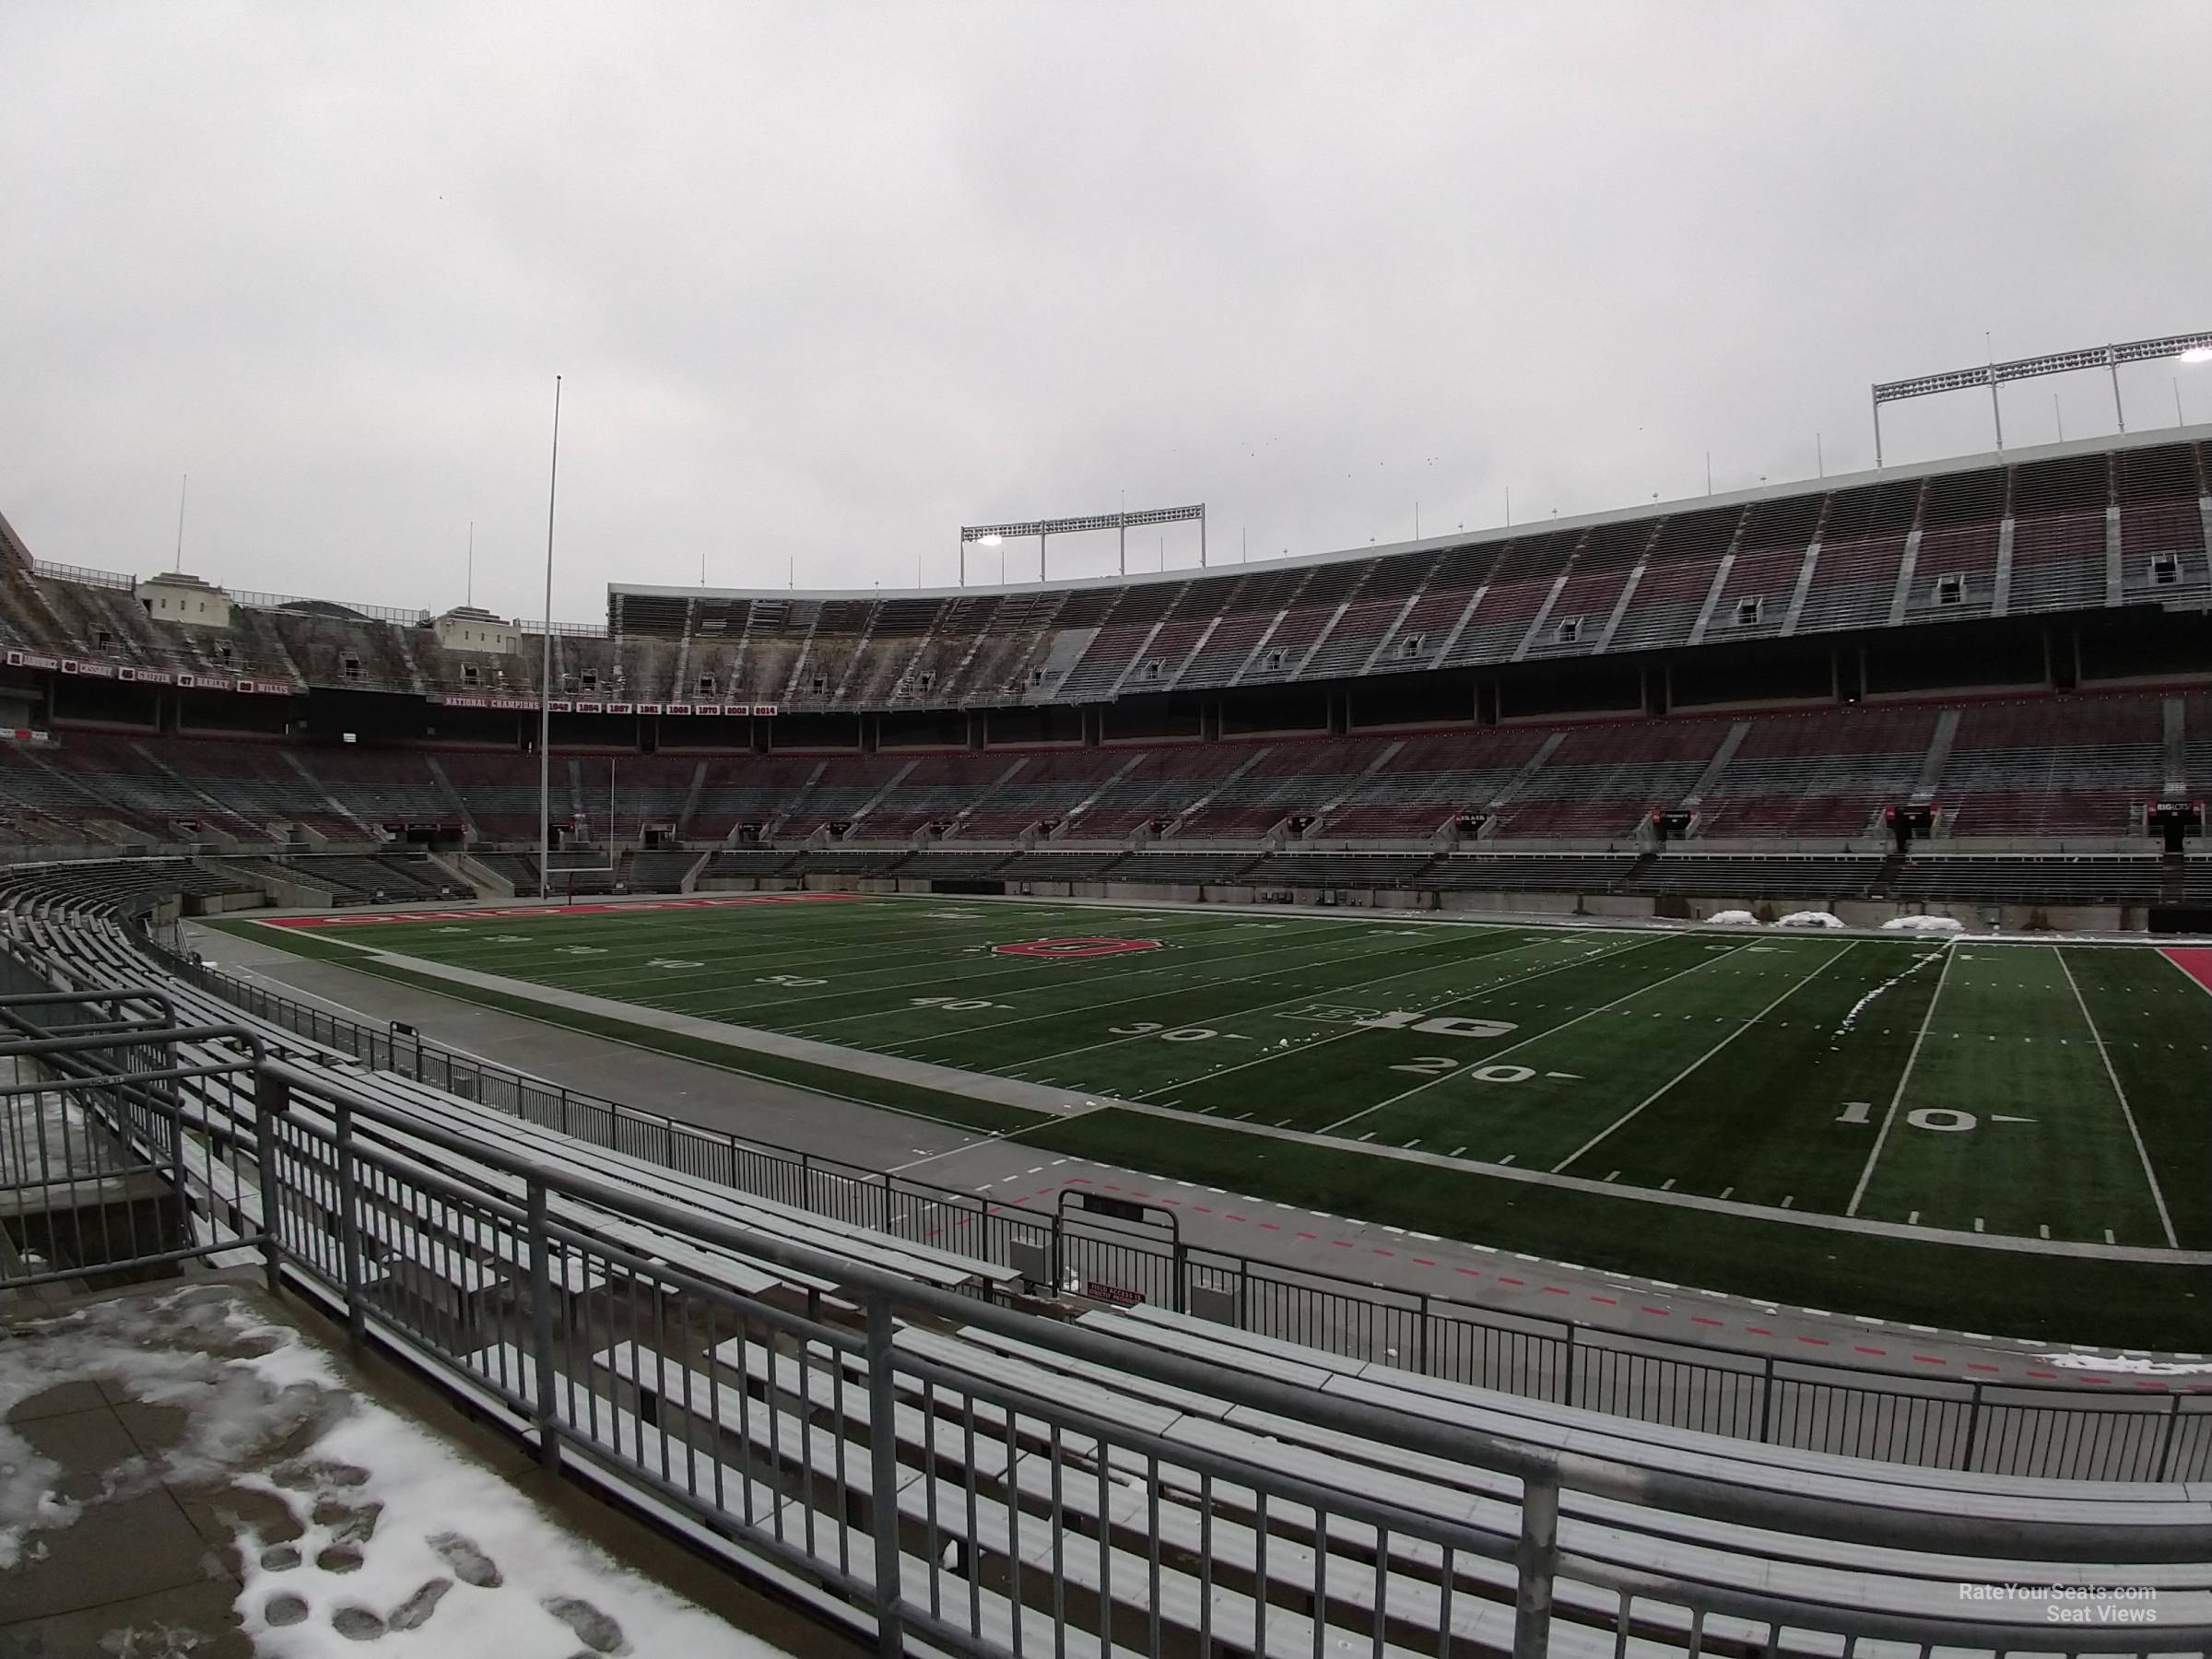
point(2038, 1091)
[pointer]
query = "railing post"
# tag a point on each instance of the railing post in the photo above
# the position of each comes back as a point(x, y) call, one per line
point(1244, 1293)
point(349, 1219)
point(883, 1477)
point(1059, 1251)
point(1766, 1399)
point(1182, 1298)
point(887, 1205)
point(1974, 1420)
point(541, 1329)
point(271, 1099)
point(1567, 1395)
point(2173, 1417)
point(1535, 1560)
point(1420, 1336)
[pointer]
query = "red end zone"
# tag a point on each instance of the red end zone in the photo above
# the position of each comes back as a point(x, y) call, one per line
point(2196, 961)
point(519, 913)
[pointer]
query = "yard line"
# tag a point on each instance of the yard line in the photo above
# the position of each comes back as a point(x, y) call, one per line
point(1708, 1054)
point(1911, 1058)
point(1274, 949)
point(1457, 998)
point(1493, 1056)
point(2120, 1094)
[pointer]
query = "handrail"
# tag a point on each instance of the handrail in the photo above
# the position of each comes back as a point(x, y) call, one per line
point(335, 1160)
point(1713, 1498)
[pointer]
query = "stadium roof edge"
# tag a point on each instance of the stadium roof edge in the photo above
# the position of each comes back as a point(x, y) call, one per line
point(1765, 493)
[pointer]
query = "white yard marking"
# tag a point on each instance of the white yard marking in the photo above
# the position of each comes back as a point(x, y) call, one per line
point(2157, 1197)
point(1668, 1086)
point(1889, 1117)
point(1405, 1093)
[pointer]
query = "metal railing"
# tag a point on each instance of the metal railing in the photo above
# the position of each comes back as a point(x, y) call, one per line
point(1991, 1427)
point(106, 1173)
point(966, 1478)
point(83, 575)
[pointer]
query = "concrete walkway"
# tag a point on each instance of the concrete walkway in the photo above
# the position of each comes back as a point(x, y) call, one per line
point(166, 1488)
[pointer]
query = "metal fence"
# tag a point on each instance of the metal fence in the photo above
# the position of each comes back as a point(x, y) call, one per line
point(106, 1173)
point(1992, 1427)
point(960, 1478)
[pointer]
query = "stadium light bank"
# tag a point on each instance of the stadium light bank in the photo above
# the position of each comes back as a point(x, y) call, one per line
point(993, 535)
point(2188, 348)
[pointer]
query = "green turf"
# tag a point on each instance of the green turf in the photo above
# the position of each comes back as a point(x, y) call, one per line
point(2070, 1299)
point(959, 1110)
point(2012, 1087)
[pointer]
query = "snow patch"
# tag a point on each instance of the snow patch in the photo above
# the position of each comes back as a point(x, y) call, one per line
point(1945, 925)
point(399, 1535)
point(1919, 961)
point(2128, 1364)
point(1810, 918)
point(1735, 918)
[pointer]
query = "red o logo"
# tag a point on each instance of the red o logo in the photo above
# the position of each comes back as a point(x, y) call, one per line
point(1066, 950)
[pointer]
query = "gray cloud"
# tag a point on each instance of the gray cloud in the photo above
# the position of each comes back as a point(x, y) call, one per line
point(828, 280)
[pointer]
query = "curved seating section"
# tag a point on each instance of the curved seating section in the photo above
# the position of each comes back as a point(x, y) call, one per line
point(2100, 528)
point(1145, 1482)
point(2074, 767)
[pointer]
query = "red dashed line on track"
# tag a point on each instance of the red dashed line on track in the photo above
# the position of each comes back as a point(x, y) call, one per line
point(1701, 1319)
point(1423, 1262)
point(1928, 1359)
point(2044, 1376)
point(1556, 1291)
point(1503, 1281)
point(1373, 1250)
point(1657, 1313)
point(1877, 1353)
point(1469, 1272)
point(1970, 1364)
point(1814, 1341)
point(1759, 1330)
point(1610, 1302)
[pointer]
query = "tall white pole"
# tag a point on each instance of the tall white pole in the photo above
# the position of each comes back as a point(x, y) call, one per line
point(181, 489)
point(468, 591)
point(544, 683)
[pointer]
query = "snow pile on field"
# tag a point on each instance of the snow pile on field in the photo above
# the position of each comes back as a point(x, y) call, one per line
point(1924, 924)
point(391, 1531)
point(1809, 919)
point(1733, 919)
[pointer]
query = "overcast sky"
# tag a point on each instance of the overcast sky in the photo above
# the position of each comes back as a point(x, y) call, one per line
point(827, 281)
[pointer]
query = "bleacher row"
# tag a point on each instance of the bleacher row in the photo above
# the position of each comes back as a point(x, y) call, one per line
point(1047, 1494)
point(2048, 767)
point(2102, 528)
